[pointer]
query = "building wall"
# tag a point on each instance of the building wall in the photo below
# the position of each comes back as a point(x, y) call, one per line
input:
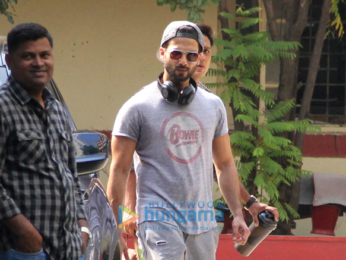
point(105, 51)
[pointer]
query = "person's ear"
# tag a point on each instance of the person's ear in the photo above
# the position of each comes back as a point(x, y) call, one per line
point(8, 59)
point(162, 54)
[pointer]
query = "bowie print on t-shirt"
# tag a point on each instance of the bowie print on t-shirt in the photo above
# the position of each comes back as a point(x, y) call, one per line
point(184, 134)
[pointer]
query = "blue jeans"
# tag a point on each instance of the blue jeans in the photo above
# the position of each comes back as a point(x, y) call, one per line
point(16, 255)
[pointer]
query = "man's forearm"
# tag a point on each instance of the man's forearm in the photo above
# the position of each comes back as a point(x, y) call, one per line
point(82, 223)
point(244, 195)
point(130, 195)
point(229, 185)
point(29, 240)
point(116, 188)
point(19, 225)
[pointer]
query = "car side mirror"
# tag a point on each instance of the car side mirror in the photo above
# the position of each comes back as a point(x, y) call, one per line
point(92, 151)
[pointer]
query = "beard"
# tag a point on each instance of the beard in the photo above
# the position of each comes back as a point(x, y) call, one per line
point(177, 77)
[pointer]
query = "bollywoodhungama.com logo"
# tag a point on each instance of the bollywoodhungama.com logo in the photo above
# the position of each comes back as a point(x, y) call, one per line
point(126, 216)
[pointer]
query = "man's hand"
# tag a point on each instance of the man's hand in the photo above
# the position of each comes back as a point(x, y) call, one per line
point(258, 207)
point(241, 231)
point(131, 228)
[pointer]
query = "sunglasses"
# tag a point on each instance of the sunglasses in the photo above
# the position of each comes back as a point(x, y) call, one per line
point(191, 56)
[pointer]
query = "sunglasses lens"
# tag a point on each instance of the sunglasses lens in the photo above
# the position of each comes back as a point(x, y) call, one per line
point(192, 56)
point(176, 55)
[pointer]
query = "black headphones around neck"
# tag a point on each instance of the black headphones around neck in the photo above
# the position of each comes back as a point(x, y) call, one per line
point(171, 92)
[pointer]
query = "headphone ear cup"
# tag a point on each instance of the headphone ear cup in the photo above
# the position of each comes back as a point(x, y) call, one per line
point(187, 95)
point(169, 91)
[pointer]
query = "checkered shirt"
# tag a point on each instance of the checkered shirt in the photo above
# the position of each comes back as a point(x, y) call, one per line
point(38, 171)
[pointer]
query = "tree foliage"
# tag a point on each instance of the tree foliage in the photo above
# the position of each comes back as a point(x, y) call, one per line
point(194, 8)
point(335, 23)
point(5, 6)
point(258, 151)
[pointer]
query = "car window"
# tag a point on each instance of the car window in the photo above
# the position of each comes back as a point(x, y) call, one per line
point(3, 75)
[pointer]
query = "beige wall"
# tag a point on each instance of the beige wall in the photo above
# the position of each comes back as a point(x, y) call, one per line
point(104, 50)
point(325, 165)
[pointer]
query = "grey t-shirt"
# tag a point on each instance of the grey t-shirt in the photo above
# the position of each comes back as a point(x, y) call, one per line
point(202, 86)
point(173, 161)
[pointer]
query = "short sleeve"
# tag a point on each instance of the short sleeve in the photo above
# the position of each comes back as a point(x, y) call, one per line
point(127, 122)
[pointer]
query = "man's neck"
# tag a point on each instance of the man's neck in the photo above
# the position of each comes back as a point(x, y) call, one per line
point(37, 94)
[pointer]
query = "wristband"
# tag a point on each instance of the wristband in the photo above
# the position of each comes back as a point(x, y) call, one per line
point(251, 201)
point(86, 230)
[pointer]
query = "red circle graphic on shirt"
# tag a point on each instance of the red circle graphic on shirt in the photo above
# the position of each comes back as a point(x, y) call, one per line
point(184, 135)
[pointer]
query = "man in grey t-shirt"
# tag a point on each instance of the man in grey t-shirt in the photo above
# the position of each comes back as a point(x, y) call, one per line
point(177, 132)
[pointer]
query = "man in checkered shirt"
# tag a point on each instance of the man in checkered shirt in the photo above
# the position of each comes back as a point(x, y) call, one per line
point(41, 205)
